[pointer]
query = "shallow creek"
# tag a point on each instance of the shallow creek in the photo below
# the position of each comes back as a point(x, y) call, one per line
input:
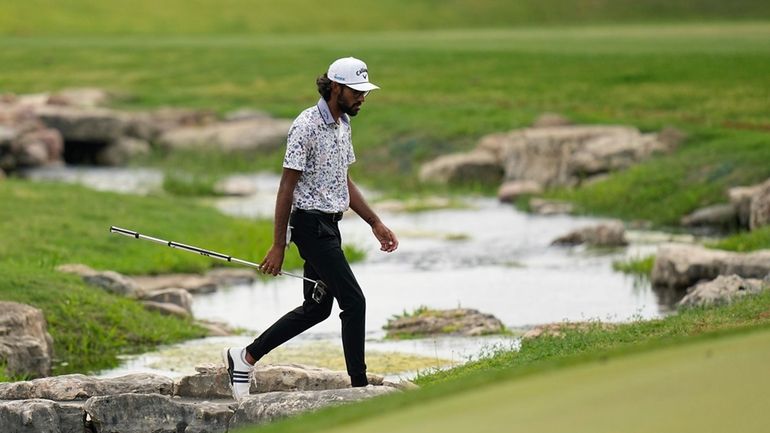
point(485, 255)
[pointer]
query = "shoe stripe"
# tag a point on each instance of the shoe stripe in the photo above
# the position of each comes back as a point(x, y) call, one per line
point(240, 373)
point(240, 381)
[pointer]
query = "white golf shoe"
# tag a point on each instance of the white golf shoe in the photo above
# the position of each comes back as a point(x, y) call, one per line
point(239, 371)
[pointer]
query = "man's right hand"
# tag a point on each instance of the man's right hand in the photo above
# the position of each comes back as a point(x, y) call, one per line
point(273, 261)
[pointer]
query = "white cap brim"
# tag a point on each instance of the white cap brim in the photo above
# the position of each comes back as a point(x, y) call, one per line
point(363, 87)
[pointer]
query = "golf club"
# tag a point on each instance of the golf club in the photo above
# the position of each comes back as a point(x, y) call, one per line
point(319, 287)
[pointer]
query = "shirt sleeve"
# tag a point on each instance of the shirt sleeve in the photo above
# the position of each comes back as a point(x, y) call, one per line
point(296, 146)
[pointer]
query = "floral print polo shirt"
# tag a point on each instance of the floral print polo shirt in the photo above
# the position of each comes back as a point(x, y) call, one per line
point(322, 150)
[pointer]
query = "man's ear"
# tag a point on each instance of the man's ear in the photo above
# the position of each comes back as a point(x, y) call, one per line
point(336, 88)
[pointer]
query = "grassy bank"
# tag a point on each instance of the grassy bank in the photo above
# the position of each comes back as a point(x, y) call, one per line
point(46, 225)
point(666, 188)
point(619, 393)
point(544, 357)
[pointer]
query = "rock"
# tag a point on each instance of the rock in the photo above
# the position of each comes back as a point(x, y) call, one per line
point(231, 276)
point(296, 377)
point(543, 155)
point(32, 100)
point(122, 151)
point(264, 408)
point(458, 321)
point(149, 126)
point(166, 309)
point(216, 329)
point(193, 283)
point(86, 97)
point(40, 416)
point(245, 114)
point(80, 387)
point(39, 147)
point(403, 385)
point(567, 155)
point(550, 207)
point(740, 198)
point(25, 142)
point(114, 283)
point(473, 167)
point(18, 119)
point(612, 152)
point(138, 413)
point(179, 297)
point(722, 290)
point(679, 266)
point(252, 134)
point(609, 234)
point(558, 329)
point(721, 216)
point(495, 144)
point(760, 207)
point(26, 347)
point(510, 191)
point(7, 135)
point(210, 382)
point(548, 120)
point(89, 125)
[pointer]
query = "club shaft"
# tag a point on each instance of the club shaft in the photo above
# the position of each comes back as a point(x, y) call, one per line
point(197, 250)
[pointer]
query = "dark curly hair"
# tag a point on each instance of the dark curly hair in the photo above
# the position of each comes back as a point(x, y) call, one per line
point(324, 86)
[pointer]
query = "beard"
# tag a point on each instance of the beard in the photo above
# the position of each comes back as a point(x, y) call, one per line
point(349, 109)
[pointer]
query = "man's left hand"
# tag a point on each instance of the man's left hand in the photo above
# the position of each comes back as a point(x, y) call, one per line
point(388, 240)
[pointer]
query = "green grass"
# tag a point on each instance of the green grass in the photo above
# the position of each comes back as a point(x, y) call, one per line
point(93, 17)
point(617, 393)
point(546, 356)
point(746, 241)
point(90, 328)
point(554, 351)
point(664, 189)
point(46, 225)
point(641, 266)
point(442, 89)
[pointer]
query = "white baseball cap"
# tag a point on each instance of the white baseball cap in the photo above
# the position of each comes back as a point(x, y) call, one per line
point(352, 73)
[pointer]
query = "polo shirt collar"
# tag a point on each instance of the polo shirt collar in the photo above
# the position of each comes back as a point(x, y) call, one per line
point(326, 114)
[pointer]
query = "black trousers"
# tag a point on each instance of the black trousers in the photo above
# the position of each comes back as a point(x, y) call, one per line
point(318, 239)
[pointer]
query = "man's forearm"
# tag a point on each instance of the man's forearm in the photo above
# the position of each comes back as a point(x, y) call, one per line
point(283, 202)
point(359, 204)
point(282, 212)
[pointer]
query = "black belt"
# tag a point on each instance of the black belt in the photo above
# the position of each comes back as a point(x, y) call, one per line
point(333, 217)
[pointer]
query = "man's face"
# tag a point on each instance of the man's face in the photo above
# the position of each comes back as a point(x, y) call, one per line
point(349, 100)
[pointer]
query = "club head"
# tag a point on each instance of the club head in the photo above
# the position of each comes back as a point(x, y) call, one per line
point(319, 290)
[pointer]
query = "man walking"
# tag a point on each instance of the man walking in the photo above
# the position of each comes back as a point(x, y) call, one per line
point(314, 192)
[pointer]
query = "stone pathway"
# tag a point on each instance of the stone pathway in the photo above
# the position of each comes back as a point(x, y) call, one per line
point(139, 403)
